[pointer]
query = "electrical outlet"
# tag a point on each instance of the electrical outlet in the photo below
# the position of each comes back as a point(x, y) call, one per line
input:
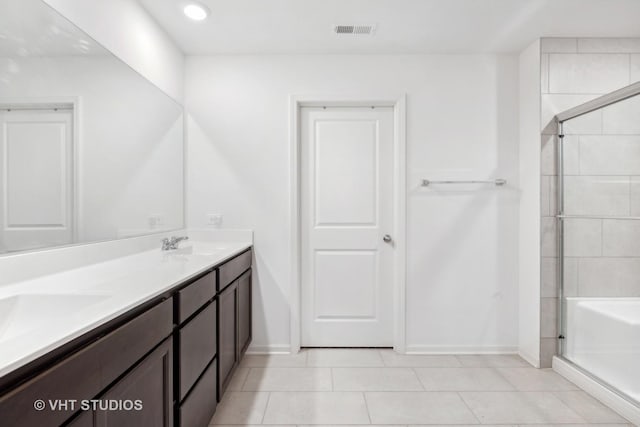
point(156, 220)
point(214, 220)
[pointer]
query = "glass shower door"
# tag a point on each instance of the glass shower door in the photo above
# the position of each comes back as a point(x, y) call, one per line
point(599, 243)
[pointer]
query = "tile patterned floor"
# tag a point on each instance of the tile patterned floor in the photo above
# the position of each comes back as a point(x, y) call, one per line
point(379, 387)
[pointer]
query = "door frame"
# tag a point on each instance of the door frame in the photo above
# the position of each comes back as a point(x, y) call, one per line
point(75, 102)
point(398, 103)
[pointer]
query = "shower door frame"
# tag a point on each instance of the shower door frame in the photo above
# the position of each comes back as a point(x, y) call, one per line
point(580, 110)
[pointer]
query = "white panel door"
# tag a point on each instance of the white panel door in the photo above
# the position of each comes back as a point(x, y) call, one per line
point(346, 208)
point(36, 178)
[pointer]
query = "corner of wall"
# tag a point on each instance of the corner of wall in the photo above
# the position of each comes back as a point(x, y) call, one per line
point(529, 226)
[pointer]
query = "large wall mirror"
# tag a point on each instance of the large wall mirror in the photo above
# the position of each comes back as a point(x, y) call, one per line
point(89, 149)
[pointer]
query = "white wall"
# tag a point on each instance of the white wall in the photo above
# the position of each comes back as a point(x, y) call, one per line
point(126, 29)
point(529, 225)
point(462, 123)
point(130, 154)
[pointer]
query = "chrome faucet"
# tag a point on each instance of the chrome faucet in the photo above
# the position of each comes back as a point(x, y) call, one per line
point(172, 243)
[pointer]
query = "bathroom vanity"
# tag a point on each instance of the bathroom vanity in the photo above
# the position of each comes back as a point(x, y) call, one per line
point(166, 361)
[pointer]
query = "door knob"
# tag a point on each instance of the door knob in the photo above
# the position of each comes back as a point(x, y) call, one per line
point(387, 238)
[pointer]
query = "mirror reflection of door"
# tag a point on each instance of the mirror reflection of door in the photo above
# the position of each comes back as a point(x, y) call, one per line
point(36, 177)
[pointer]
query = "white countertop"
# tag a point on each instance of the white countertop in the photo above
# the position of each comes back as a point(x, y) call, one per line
point(39, 315)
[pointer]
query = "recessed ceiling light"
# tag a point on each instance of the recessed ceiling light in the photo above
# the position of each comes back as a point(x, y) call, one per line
point(196, 11)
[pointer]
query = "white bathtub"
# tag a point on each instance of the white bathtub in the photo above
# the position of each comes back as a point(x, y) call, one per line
point(603, 337)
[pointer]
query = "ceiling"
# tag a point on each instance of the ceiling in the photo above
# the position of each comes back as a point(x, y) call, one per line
point(403, 26)
point(31, 28)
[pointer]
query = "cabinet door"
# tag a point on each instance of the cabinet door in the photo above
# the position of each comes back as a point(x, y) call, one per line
point(84, 419)
point(244, 312)
point(151, 384)
point(227, 335)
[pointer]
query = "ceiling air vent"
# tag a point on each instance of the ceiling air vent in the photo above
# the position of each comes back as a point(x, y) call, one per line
point(355, 29)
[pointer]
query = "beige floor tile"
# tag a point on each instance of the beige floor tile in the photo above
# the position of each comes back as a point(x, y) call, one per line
point(375, 379)
point(588, 408)
point(492, 361)
point(288, 379)
point(274, 360)
point(462, 379)
point(239, 407)
point(504, 407)
point(343, 358)
point(418, 408)
point(393, 359)
point(238, 379)
point(532, 379)
point(379, 386)
point(316, 408)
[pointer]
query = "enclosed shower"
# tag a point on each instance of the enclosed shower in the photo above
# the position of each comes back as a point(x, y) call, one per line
point(598, 220)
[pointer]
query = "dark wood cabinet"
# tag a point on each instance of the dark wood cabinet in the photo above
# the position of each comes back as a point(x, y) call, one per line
point(232, 269)
point(84, 419)
point(142, 398)
point(197, 347)
point(244, 312)
point(87, 372)
point(192, 297)
point(175, 354)
point(200, 405)
point(149, 386)
point(227, 335)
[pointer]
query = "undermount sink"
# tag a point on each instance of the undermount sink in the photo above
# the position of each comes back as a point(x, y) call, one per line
point(21, 314)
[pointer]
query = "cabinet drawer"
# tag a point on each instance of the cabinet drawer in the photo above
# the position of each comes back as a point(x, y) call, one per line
point(77, 378)
point(197, 347)
point(86, 373)
point(194, 296)
point(200, 405)
point(229, 271)
point(125, 346)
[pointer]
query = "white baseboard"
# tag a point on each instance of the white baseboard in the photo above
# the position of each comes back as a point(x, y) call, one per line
point(412, 349)
point(437, 349)
point(616, 402)
point(269, 349)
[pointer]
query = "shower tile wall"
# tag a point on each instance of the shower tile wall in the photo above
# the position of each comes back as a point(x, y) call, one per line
point(602, 174)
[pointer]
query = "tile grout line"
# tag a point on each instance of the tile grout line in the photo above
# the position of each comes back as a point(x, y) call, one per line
point(468, 407)
point(415, 372)
point(384, 363)
point(245, 380)
point(266, 406)
point(366, 405)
